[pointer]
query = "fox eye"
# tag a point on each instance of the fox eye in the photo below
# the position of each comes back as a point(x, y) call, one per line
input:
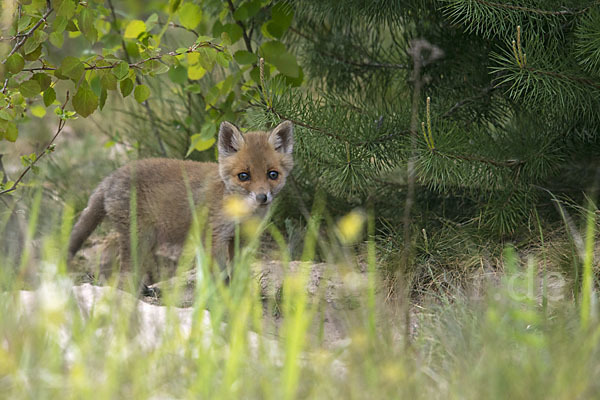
point(244, 176)
point(273, 175)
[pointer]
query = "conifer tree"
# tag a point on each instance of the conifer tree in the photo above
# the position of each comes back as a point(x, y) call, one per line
point(506, 110)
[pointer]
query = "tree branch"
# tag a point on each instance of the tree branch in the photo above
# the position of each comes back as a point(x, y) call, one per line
point(335, 136)
point(487, 90)
point(47, 149)
point(504, 164)
point(137, 64)
point(241, 25)
point(346, 61)
point(564, 77)
point(23, 37)
point(535, 10)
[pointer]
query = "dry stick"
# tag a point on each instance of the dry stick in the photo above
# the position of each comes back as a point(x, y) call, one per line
point(61, 125)
point(418, 49)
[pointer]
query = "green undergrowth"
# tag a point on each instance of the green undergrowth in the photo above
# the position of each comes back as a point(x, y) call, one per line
point(521, 336)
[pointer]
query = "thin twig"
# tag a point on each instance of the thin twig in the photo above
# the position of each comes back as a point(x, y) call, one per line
point(565, 77)
point(174, 25)
point(161, 145)
point(61, 125)
point(26, 35)
point(487, 90)
point(137, 64)
point(337, 137)
point(503, 164)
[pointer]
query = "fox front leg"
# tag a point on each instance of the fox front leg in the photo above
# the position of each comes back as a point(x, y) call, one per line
point(223, 256)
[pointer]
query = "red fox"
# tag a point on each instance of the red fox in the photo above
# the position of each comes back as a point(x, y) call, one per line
point(253, 165)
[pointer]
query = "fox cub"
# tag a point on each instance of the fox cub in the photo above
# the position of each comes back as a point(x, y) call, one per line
point(253, 166)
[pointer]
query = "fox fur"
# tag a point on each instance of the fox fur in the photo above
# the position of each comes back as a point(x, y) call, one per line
point(253, 166)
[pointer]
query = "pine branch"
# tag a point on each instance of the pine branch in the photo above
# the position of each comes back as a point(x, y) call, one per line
point(487, 90)
point(503, 164)
point(536, 10)
point(335, 136)
point(576, 79)
point(345, 60)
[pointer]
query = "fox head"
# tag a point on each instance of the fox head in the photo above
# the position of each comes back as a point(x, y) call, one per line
point(256, 164)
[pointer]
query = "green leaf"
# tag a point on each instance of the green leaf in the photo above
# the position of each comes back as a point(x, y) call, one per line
point(295, 82)
point(210, 98)
point(38, 111)
point(190, 15)
point(43, 79)
point(86, 25)
point(247, 10)
point(234, 31)
point(195, 72)
point(34, 55)
point(174, 5)
point(59, 24)
point(126, 86)
point(71, 27)
point(281, 19)
point(275, 53)
point(71, 67)
point(205, 57)
point(223, 59)
point(170, 60)
point(66, 9)
point(15, 63)
point(132, 49)
point(32, 43)
point(155, 67)
point(10, 131)
point(198, 143)
point(5, 115)
point(85, 100)
point(134, 28)
point(94, 82)
point(24, 22)
point(151, 21)
point(178, 75)
point(30, 88)
point(103, 97)
point(49, 96)
point(107, 80)
point(245, 57)
point(141, 93)
point(193, 88)
point(121, 70)
point(57, 39)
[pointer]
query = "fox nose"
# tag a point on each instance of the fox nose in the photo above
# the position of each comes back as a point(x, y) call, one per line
point(261, 198)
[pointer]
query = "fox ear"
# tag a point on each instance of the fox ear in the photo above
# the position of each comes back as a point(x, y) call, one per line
point(230, 139)
point(282, 137)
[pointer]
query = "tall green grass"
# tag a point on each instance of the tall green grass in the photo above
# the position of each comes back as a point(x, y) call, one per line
point(502, 344)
